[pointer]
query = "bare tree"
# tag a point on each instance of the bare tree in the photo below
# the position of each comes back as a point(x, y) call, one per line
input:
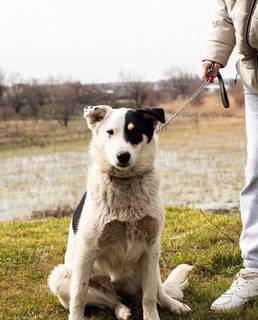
point(15, 97)
point(181, 83)
point(36, 96)
point(93, 94)
point(64, 98)
point(141, 93)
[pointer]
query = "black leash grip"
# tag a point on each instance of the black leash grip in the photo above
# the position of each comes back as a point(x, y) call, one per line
point(223, 91)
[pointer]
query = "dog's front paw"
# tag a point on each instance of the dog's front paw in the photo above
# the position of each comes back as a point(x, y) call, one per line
point(74, 316)
point(122, 312)
point(179, 307)
point(151, 315)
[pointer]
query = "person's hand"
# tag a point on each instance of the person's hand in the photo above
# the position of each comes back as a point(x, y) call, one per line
point(205, 66)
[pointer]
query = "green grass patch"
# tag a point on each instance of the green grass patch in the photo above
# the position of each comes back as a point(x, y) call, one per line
point(29, 250)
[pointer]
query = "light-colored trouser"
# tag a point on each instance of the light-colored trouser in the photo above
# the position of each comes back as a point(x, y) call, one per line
point(249, 194)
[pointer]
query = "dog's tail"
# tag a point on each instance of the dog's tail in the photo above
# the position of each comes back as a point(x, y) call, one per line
point(177, 281)
point(59, 283)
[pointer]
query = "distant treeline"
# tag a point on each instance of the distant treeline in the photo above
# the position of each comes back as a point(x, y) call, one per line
point(64, 101)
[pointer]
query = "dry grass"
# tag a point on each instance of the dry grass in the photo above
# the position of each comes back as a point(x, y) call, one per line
point(210, 106)
point(40, 133)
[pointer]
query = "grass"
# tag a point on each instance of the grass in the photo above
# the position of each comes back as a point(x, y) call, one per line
point(28, 136)
point(210, 105)
point(29, 250)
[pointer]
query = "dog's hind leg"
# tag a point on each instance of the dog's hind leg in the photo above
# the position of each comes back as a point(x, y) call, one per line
point(101, 292)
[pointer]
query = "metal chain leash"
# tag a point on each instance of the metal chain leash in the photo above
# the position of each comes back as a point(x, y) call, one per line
point(184, 106)
point(194, 95)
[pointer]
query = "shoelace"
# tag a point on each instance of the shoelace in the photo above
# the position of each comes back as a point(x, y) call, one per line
point(240, 280)
point(236, 285)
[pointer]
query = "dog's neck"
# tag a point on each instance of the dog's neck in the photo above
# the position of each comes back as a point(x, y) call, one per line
point(117, 194)
point(98, 174)
point(128, 175)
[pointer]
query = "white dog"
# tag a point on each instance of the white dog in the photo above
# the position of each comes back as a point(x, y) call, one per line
point(114, 239)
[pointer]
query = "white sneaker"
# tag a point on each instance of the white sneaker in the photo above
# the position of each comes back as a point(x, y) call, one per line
point(243, 289)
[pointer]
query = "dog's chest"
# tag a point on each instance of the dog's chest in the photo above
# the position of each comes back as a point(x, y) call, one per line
point(128, 200)
point(125, 232)
point(123, 243)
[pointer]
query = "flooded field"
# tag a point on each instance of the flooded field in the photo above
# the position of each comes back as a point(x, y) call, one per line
point(201, 165)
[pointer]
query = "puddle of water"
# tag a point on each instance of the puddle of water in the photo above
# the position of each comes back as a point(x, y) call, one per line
point(201, 180)
point(196, 178)
point(38, 183)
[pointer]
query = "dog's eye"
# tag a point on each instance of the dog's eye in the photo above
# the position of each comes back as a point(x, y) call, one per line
point(110, 132)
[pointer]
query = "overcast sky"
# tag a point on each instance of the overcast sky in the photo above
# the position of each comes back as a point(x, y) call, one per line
point(94, 40)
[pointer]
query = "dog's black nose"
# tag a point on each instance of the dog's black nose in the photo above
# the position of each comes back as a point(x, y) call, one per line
point(123, 158)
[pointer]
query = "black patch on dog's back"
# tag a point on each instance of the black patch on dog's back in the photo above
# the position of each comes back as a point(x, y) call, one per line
point(141, 126)
point(77, 213)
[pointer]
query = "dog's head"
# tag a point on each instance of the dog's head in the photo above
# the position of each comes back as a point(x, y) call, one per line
point(123, 139)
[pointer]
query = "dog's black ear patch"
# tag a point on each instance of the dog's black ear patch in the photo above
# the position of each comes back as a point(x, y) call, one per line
point(141, 122)
point(77, 214)
point(157, 114)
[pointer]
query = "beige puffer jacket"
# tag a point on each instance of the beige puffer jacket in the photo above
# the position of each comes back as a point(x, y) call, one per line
point(236, 23)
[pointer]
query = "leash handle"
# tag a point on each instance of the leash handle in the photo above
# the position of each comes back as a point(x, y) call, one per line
point(210, 73)
point(223, 91)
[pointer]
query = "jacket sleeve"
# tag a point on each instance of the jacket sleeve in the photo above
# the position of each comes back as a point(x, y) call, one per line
point(222, 39)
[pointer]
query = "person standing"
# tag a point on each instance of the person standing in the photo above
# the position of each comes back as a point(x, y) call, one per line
point(236, 24)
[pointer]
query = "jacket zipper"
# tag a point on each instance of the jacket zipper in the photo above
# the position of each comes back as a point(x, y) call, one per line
point(248, 26)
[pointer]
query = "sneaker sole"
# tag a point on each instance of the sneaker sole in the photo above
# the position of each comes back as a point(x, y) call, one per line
point(241, 306)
